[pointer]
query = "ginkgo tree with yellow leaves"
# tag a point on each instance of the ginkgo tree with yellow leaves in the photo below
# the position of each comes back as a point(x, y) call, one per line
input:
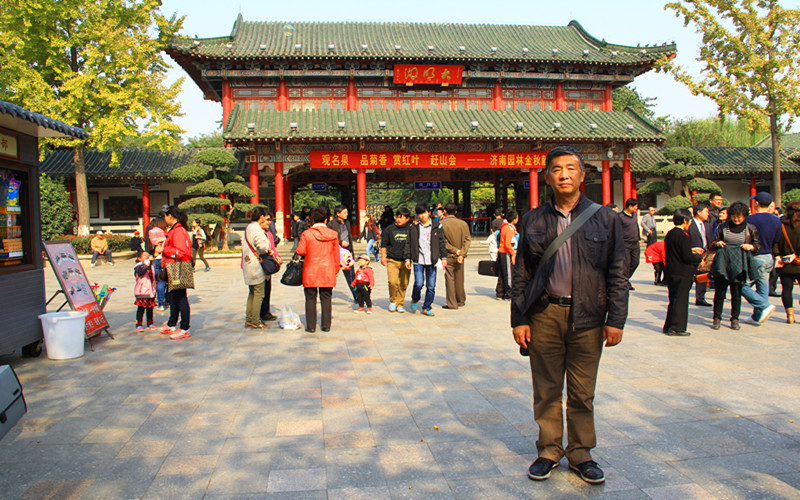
point(750, 52)
point(96, 64)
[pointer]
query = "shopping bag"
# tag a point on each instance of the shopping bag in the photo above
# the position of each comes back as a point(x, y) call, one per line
point(289, 320)
point(293, 276)
point(179, 276)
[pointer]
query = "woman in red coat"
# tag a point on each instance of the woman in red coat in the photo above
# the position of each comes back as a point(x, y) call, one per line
point(177, 248)
point(320, 246)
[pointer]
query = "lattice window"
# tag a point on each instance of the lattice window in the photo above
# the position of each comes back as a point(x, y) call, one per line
point(254, 92)
point(484, 93)
point(376, 92)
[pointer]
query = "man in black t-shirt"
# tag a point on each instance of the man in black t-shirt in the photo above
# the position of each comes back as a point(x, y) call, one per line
point(393, 244)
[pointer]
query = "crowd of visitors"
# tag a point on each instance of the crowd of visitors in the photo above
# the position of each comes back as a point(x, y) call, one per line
point(562, 327)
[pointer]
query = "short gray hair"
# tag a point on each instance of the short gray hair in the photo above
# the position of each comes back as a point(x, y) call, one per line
point(562, 151)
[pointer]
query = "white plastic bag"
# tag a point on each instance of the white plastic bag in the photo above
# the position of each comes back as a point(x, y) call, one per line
point(289, 320)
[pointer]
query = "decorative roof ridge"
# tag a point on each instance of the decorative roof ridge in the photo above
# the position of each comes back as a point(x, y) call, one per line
point(403, 23)
point(236, 25)
point(602, 44)
point(641, 118)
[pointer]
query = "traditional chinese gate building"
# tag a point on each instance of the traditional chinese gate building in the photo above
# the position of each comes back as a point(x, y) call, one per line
point(352, 103)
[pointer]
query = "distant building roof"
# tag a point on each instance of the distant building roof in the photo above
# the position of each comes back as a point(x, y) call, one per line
point(420, 124)
point(721, 161)
point(426, 41)
point(35, 124)
point(134, 164)
point(789, 143)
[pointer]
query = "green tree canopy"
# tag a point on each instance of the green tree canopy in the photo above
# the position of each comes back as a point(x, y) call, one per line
point(96, 64)
point(56, 211)
point(713, 131)
point(212, 140)
point(749, 55)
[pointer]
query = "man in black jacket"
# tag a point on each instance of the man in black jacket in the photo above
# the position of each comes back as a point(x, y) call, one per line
point(701, 234)
point(681, 259)
point(394, 257)
point(630, 235)
point(424, 248)
point(576, 299)
point(339, 224)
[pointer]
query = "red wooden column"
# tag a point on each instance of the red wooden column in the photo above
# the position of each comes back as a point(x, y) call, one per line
point(287, 208)
point(626, 180)
point(254, 181)
point(606, 178)
point(497, 96)
point(361, 197)
point(561, 103)
point(608, 103)
point(352, 99)
point(753, 192)
point(283, 96)
point(227, 101)
point(145, 205)
point(634, 194)
point(533, 180)
point(279, 197)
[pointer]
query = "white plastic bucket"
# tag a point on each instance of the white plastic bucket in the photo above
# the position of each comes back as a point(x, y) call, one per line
point(64, 334)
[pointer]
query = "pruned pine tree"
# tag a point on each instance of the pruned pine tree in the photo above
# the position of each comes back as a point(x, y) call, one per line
point(218, 193)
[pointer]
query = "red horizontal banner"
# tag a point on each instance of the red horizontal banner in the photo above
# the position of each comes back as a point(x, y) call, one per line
point(338, 159)
point(433, 74)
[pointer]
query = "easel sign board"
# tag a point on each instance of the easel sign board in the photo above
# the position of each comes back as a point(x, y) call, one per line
point(75, 285)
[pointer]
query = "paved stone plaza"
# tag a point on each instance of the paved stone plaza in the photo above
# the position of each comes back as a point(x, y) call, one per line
point(396, 405)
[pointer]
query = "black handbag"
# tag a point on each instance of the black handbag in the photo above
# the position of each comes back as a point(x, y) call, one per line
point(487, 268)
point(293, 276)
point(268, 264)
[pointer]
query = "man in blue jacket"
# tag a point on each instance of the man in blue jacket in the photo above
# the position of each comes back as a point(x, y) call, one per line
point(576, 299)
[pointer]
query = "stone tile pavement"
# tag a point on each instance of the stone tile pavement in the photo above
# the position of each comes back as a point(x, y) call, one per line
point(396, 405)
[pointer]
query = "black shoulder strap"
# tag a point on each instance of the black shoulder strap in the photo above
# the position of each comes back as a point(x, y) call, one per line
point(553, 247)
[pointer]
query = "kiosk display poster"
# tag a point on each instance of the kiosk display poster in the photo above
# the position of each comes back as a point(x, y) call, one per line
point(75, 285)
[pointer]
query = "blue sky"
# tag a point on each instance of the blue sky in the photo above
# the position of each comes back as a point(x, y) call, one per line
point(617, 21)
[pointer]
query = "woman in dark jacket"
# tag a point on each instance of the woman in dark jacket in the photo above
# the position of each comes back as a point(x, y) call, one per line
point(734, 238)
point(681, 265)
point(787, 250)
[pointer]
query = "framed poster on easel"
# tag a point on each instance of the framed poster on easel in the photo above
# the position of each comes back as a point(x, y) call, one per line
point(75, 286)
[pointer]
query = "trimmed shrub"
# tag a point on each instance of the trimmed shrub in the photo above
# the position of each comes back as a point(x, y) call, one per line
point(675, 203)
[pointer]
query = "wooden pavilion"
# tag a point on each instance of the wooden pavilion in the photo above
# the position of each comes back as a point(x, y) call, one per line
point(351, 103)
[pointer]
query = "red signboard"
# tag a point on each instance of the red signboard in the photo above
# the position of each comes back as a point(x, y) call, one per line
point(339, 159)
point(432, 74)
point(72, 278)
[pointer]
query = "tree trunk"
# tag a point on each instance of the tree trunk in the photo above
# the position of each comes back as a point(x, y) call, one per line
point(776, 158)
point(81, 191)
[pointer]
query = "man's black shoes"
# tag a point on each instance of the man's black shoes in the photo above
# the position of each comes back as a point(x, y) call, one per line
point(703, 303)
point(540, 469)
point(673, 333)
point(588, 471)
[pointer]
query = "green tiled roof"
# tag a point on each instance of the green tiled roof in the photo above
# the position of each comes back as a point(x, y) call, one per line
point(419, 124)
point(721, 161)
point(427, 41)
point(133, 163)
point(789, 143)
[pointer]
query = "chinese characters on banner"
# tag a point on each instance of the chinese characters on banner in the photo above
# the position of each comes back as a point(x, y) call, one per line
point(431, 74)
point(338, 159)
